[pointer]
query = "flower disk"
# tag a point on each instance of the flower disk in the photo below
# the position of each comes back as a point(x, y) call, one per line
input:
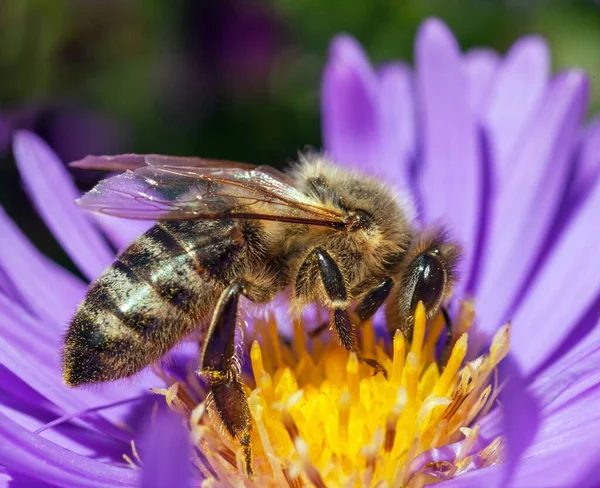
point(320, 416)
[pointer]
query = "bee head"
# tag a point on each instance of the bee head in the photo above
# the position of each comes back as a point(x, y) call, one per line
point(429, 277)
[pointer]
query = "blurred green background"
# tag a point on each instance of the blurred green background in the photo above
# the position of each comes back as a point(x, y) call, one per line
point(232, 79)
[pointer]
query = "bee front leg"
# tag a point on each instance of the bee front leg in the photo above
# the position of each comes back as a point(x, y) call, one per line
point(335, 288)
point(218, 368)
point(445, 354)
point(374, 299)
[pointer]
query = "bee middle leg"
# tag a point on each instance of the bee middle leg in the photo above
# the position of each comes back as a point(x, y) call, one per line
point(367, 307)
point(333, 282)
point(219, 369)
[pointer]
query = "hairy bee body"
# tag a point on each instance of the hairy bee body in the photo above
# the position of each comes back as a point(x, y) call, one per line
point(332, 236)
point(159, 290)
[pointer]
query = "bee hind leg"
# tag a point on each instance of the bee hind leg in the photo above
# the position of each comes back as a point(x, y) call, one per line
point(219, 369)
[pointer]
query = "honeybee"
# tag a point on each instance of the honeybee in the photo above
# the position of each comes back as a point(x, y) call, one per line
point(224, 230)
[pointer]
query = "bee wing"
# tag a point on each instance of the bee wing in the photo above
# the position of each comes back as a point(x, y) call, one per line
point(122, 162)
point(179, 192)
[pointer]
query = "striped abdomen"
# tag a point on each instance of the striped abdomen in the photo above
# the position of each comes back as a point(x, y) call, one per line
point(163, 287)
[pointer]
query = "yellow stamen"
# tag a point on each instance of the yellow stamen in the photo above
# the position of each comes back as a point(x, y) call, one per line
point(352, 377)
point(398, 359)
point(344, 417)
point(368, 338)
point(459, 351)
point(321, 417)
point(437, 326)
point(418, 331)
point(299, 335)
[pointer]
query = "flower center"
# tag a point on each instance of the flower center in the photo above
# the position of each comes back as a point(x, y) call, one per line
point(322, 417)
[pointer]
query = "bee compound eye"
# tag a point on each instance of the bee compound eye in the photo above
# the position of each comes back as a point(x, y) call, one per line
point(428, 280)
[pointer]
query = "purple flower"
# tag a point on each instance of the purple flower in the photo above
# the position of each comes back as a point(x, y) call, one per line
point(494, 147)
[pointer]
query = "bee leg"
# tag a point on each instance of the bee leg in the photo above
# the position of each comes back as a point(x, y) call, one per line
point(448, 344)
point(335, 288)
point(374, 299)
point(317, 331)
point(219, 369)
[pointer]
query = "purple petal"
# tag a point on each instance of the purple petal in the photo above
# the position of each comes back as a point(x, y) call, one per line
point(570, 378)
point(563, 291)
point(528, 202)
point(33, 355)
point(521, 413)
point(569, 438)
point(81, 440)
point(30, 273)
point(518, 87)
point(450, 179)
point(53, 194)
point(166, 453)
point(350, 107)
point(587, 170)
point(481, 66)
point(448, 454)
point(39, 370)
point(396, 94)
point(29, 454)
point(7, 287)
point(566, 464)
point(565, 449)
point(5, 479)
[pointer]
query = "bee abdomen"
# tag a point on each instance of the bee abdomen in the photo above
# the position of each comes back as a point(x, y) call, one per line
point(157, 292)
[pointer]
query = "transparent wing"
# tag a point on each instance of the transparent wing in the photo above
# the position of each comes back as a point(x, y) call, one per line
point(167, 191)
point(123, 162)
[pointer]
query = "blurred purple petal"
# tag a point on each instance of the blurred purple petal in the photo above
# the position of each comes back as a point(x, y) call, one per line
point(25, 453)
point(4, 134)
point(587, 171)
point(398, 123)
point(451, 173)
point(350, 117)
point(518, 87)
point(75, 133)
point(566, 287)
point(522, 218)
point(78, 439)
point(36, 367)
point(53, 193)
point(166, 453)
point(30, 272)
point(31, 353)
point(481, 66)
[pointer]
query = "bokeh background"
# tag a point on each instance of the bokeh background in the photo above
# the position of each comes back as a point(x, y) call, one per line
point(230, 79)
